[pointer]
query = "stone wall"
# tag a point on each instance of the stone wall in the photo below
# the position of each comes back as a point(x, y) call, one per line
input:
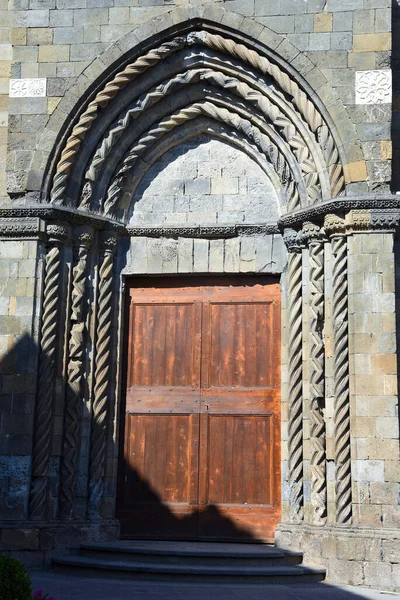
point(193, 213)
point(20, 264)
point(205, 181)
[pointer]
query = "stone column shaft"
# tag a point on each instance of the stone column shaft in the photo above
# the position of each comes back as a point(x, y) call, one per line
point(57, 233)
point(343, 482)
point(317, 373)
point(82, 239)
point(293, 241)
point(101, 373)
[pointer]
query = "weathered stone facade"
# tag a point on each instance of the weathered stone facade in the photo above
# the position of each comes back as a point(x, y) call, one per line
point(230, 136)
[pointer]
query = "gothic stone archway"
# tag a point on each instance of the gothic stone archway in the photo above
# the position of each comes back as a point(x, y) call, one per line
point(203, 81)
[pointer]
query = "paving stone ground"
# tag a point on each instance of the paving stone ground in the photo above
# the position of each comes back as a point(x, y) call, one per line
point(65, 587)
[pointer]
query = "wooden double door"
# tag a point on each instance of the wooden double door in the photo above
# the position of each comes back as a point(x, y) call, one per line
point(201, 456)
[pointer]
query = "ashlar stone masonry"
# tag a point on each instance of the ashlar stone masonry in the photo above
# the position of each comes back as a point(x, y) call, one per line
point(191, 137)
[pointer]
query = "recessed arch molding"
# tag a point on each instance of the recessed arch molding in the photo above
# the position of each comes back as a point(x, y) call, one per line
point(194, 75)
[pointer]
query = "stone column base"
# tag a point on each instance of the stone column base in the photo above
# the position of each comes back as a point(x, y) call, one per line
point(34, 543)
point(365, 557)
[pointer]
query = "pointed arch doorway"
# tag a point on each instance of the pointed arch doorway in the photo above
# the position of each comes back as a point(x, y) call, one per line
point(201, 456)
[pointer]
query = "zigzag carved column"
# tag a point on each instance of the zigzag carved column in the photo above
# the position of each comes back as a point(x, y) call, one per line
point(57, 235)
point(335, 228)
point(294, 243)
point(82, 239)
point(315, 237)
point(108, 242)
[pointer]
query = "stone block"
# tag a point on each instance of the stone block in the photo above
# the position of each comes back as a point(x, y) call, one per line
point(54, 53)
point(200, 256)
point(198, 186)
point(216, 256)
point(323, 22)
point(384, 493)
point(355, 171)
point(351, 548)
point(391, 551)
point(372, 42)
point(369, 470)
point(31, 18)
point(345, 570)
point(20, 539)
point(378, 572)
point(68, 35)
point(185, 255)
point(342, 21)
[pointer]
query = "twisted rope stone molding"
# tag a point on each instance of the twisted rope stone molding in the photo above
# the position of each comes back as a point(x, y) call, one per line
point(315, 237)
point(295, 243)
point(241, 89)
point(101, 100)
point(58, 234)
point(216, 42)
point(108, 243)
point(300, 99)
point(82, 240)
point(335, 227)
point(262, 141)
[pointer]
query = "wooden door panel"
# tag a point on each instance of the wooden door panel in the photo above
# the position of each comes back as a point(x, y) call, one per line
point(164, 349)
point(161, 458)
point(240, 460)
point(241, 348)
point(202, 426)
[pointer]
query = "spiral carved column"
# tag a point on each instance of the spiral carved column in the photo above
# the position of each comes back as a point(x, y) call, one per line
point(82, 240)
point(58, 233)
point(315, 236)
point(294, 243)
point(101, 373)
point(343, 483)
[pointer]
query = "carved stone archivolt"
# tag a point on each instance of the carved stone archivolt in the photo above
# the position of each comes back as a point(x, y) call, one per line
point(108, 241)
point(335, 227)
point(302, 148)
point(265, 144)
point(82, 241)
point(295, 243)
point(57, 235)
point(316, 239)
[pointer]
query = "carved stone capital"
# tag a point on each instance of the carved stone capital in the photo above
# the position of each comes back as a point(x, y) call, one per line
point(294, 240)
point(313, 233)
point(107, 242)
point(334, 225)
point(82, 236)
point(58, 232)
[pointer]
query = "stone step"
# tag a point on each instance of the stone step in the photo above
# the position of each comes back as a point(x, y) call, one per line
point(198, 553)
point(163, 571)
